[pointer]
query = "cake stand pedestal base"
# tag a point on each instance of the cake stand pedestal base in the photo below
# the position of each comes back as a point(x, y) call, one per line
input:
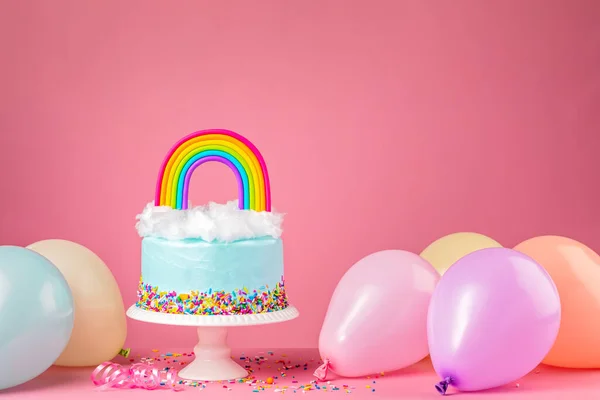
point(213, 358)
point(212, 354)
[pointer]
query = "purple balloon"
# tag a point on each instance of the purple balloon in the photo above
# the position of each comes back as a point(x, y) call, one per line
point(493, 317)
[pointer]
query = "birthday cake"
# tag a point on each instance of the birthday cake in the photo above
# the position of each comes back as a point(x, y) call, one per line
point(216, 259)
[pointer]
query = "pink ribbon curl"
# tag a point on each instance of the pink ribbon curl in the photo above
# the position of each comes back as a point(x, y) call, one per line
point(111, 375)
point(321, 372)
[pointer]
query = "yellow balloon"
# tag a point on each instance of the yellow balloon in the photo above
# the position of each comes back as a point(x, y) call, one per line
point(100, 326)
point(449, 249)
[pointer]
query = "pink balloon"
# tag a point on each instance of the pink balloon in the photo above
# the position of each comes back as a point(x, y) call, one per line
point(377, 318)
point(493, 317)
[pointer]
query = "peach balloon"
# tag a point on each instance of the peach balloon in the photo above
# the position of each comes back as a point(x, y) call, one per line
point(575, 269)
point(100, 326)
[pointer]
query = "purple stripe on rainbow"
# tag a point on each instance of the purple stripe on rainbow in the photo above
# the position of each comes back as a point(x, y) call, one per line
point(238, 177)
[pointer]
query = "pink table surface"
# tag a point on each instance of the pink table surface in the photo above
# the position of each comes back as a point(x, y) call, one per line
point(416, 382)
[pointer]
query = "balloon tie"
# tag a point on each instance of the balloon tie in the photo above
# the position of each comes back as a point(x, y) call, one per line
point(321, 372)
point(442, 387)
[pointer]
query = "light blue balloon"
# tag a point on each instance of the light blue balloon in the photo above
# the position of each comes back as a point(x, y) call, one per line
point(36, 315)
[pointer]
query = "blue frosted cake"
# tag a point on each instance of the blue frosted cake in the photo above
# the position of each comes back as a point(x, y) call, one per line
point(218, 259)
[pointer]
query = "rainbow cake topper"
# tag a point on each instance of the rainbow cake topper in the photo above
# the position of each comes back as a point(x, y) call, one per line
point(220, 145)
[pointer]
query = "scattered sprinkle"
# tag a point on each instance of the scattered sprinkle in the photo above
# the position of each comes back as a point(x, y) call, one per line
point(125, 352)
point(292, 383)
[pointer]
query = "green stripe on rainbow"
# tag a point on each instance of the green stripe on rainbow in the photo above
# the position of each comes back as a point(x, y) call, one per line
point(229, 148)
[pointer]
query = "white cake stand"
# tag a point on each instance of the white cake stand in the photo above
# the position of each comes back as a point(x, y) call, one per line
point(213, 357)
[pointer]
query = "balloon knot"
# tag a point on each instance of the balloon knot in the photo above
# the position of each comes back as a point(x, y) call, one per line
point(442, 387)
point(321, 372)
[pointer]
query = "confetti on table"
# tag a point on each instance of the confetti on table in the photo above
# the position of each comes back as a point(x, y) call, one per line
point(289, 376)
point(125, 352)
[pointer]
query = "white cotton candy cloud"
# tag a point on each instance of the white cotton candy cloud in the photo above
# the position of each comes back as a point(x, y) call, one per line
point(212, 222)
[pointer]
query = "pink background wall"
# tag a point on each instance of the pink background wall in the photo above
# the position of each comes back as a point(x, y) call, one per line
point(385, 124)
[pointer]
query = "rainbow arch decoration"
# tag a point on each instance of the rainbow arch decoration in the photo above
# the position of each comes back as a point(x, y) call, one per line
point(220, 145)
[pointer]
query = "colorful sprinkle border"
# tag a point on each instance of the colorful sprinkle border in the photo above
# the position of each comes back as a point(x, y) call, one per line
point(238, 302)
